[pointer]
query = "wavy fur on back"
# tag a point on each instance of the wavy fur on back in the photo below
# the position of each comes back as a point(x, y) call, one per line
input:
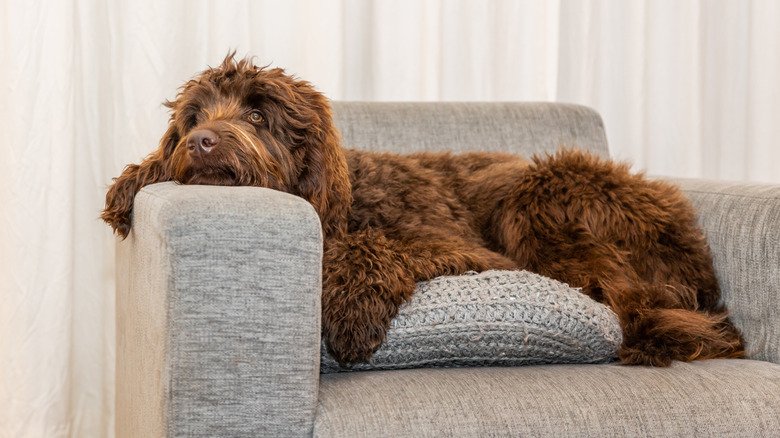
point(390, 220)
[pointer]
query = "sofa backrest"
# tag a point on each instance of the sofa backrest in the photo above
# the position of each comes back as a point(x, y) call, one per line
point(523, 128)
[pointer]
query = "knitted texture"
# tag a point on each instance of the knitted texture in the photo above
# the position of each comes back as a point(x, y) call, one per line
point(494, 318)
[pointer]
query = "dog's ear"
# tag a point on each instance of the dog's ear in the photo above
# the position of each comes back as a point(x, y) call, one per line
point(168, 141)
point(154, 168)
point(324, 181)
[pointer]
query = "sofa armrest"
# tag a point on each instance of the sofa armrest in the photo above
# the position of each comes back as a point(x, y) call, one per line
point(742, 224)
point(218, 313)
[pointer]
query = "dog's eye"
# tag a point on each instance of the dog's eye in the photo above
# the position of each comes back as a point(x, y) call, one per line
point(256, 117)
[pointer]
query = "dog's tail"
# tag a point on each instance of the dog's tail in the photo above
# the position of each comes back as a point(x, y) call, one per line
point(657, 335)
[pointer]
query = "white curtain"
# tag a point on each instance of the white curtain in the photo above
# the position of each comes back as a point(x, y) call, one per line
point(686, 88)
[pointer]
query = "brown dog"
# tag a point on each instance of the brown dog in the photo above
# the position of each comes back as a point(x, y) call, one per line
point(390, 221)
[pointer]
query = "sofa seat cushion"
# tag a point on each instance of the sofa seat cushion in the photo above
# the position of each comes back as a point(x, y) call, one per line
point(717, 398)
point(495, 318)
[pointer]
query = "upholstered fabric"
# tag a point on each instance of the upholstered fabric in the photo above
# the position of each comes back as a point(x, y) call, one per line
point(742, 223)
point(219, 321)
point(718, 398)
point(494, 318)
point(219, 330)
point(523, 128)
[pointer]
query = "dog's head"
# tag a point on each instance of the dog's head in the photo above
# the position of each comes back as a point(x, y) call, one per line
point(239, 124)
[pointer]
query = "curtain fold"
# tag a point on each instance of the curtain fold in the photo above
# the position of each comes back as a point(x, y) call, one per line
point(685, 88)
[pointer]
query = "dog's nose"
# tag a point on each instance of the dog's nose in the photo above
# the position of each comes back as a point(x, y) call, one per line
point(202, 141)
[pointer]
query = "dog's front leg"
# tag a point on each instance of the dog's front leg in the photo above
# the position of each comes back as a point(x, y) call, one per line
point(120, 196)
point(154, 168)
point(365, 278)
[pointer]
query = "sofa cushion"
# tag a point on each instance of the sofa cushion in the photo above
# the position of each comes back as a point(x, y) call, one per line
point(716, 398)
point(494, 318)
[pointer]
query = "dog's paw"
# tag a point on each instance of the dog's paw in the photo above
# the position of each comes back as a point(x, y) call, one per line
point(122, 229)
point(648, 355)
point(120, 199)
point(365, 278)
point(355, 318)
point(118, 220)
point(355, 340)
point(656, 337)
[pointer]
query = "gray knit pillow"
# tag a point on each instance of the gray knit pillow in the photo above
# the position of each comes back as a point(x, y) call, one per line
point(494, 318)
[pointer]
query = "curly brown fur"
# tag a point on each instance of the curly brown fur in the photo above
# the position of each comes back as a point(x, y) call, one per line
point(390, 221)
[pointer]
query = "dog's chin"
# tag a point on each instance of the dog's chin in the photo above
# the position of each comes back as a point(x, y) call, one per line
point(211, 176)
point(207, 176)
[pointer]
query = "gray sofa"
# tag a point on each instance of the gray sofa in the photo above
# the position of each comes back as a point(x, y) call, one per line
point(218, 310)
